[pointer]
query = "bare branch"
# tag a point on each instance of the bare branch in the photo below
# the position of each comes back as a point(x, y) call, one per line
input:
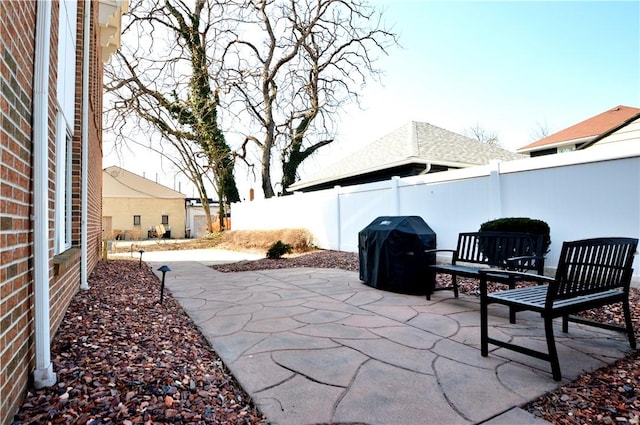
point(482, 135)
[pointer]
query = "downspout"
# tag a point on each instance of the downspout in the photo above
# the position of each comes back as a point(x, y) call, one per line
point(84, 233)
point(43, 375)
point(338, 219)
point(427, 169)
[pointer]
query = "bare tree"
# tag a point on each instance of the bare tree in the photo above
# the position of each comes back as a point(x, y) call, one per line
point(277, 71)
point(167, 87)
point(307, 59)
point(482, 135)
point(540, 132)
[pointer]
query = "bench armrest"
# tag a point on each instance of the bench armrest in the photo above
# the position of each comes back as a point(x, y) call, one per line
point(526, 257)
point(514, 262)
point(432, 251)
point(454, 253)
point(517, 275)
point(530, 277)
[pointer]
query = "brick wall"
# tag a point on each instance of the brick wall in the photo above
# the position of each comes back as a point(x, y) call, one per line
point(16, 291)
point(17, 52)
point(94, 216)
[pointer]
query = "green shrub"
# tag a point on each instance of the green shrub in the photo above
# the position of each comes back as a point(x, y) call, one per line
point(278, 249)
point(520, 224)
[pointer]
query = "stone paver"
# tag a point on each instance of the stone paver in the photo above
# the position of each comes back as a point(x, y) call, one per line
point(316, 346)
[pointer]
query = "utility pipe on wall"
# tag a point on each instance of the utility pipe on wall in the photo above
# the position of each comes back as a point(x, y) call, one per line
point(43, 375)
point(338, 215)
point(84, 233)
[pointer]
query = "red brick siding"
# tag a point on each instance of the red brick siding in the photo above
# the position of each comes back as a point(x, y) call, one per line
point(17, 51)
point(16, 299)
point(62, 288)
point(94, 216)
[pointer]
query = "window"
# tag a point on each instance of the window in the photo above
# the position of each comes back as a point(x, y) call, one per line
point(67, 34)
point(136, 220)
point(64, 124)
point(165, 220)
point(63, 186)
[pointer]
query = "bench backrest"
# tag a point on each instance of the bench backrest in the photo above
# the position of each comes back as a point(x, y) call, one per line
point(494, 248)
point(593, 265)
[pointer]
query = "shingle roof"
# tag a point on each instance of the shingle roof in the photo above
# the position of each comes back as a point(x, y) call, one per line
point(586, 130)
point(414, 142)
point(120, 183)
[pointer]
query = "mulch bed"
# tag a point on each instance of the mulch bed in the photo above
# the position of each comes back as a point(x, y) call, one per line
point(120, 357)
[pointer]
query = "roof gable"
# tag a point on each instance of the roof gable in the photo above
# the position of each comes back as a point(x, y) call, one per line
point(413, 143)
point(120, 183)
point(440, 146)
point(587, 130)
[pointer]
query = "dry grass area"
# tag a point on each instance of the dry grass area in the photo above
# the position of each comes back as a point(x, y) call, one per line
point(301, 240)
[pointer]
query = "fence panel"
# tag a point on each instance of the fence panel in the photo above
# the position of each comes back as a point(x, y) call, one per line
point(580, 194)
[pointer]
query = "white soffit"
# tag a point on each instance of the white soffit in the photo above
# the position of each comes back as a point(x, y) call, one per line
point(110, 16)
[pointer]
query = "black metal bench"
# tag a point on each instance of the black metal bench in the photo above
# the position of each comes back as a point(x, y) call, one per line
point(477, 250)
point(591, 273)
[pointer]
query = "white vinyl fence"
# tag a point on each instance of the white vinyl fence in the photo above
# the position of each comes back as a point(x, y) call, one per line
point(580, 194)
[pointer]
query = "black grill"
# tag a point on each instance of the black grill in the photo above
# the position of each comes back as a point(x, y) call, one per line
point(391, 254)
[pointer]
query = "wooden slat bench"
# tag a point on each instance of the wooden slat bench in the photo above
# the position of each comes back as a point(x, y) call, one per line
point(591, 273)
point(477, 250)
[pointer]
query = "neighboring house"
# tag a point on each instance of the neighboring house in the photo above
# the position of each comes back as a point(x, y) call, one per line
point(134, 207)
point(630, 132)
point(197, 219)
point(415, 148)
point(50, 184)
point(589, 132)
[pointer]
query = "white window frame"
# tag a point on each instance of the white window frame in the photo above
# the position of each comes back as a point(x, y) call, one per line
point(63, 181)
point(65, 96)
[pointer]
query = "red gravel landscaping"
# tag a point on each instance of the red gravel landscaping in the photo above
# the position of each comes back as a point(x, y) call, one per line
point(120, 357)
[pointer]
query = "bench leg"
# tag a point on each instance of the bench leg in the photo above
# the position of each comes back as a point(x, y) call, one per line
point(431, 284)
point(551, 347)
point(484, 320)
point(454, 282)
point(627, 320)
point(512, 310)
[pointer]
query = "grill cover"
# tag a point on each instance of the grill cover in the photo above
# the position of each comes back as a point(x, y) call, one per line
point(391, 254)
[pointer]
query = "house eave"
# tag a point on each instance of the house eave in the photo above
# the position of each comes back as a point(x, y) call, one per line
point(110, 19)
point(560, 144)
point(407, 161)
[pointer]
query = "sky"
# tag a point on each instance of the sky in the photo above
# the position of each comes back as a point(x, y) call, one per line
point(510, 67)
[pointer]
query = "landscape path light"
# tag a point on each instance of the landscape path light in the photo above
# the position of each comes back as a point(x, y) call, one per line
point(164, 269)
point(141, 251)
